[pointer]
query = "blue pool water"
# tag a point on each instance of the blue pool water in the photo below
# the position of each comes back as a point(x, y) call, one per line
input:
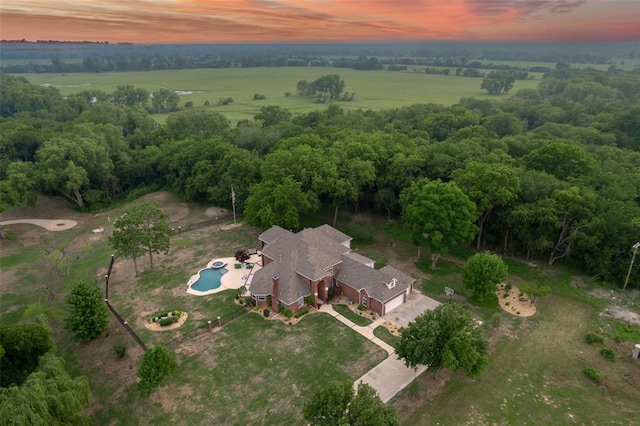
point(209, 279)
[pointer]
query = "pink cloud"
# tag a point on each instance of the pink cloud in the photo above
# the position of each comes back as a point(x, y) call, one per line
point(156, 21)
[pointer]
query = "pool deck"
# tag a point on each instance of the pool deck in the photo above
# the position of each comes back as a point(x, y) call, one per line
point(233, 279)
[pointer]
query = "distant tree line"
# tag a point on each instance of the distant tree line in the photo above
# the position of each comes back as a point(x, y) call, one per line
point(123, 57)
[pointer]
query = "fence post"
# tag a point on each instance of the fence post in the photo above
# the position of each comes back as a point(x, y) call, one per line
point(219, 321)
point(209, 322)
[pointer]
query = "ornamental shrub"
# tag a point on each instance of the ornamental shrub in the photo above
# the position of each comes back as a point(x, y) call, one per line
point(87, 314)
point(592, 374)
point(288, 313)
point(266, 313)
point(309, 300)
point(157, 364)
point(608, 354)
point(120, 349)
point(166, 321)
point(302, 312)
point(591, 338)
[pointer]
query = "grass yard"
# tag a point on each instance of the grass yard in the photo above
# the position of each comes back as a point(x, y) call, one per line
point(385, 335)
point(252, 371)
point(535, 377)
point(374, 89)
point(357, 319)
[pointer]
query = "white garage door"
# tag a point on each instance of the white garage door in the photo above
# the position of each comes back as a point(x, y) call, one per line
point(393, 303)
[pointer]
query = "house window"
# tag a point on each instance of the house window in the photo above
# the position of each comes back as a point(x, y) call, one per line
point(262, 297)
point(365, 301)
point(300, 302)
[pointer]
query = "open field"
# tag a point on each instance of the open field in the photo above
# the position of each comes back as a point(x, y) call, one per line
point(374, 89)
point(257, 371)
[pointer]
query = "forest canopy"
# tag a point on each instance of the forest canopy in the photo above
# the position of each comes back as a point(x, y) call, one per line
point(568, 152)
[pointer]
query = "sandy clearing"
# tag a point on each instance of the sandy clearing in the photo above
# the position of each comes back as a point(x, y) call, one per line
point(48, 224)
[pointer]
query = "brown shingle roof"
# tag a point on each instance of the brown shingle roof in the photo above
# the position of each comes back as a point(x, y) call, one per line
point(312, 253)
point(292, 286)
point(329, 232)
point(272, 234)
point(359, 276)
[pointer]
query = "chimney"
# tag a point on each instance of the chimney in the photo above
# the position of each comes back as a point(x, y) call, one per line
point(275, 293)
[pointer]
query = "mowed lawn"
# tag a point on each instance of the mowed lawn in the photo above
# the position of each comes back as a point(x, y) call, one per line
point(374, 89)
point(252, 371)
point(535, 376)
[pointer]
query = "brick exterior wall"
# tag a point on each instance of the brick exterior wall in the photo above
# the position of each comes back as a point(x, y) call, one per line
point(375, 306)
point(348, 292)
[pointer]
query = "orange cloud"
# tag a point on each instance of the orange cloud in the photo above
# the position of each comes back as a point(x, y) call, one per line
point(192, 21)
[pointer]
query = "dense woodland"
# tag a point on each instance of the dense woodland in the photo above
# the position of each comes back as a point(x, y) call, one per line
point(554, 173)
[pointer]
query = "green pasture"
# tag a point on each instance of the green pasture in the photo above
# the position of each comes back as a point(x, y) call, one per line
point(374, 89)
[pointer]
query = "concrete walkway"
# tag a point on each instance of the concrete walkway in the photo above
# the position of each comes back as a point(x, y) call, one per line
point(365, 331)
point(391, 375)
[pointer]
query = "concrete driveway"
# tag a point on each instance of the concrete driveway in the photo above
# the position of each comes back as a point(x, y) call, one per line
point(389, 377)
point(415, 305)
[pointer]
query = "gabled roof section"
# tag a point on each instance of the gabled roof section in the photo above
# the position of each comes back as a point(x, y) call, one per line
point(375, 282)
point(312, 253)
point(292, 286)
point(273, 233)
point(329, 232)
point(392, 272)
point(261, 283)
point(360, 258)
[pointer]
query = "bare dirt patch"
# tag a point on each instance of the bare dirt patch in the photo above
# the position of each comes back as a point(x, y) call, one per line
point(515, 303)
point(622, 306)
point(230, 226)
point(216, 212)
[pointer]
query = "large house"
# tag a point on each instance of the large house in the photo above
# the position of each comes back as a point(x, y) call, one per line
point(305, 268)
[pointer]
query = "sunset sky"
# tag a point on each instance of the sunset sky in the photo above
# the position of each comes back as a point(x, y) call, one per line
point(221, 21)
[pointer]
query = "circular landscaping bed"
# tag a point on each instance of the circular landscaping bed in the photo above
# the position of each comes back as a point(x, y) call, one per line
point(166, 320)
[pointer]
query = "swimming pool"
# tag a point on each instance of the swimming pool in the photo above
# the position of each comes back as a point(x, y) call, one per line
point(209, 279)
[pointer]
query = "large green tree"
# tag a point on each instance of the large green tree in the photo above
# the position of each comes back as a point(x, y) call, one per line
point(49, 396)
point(157, 364)
point(270, 115)
point(144, 227)
point(23, 344)
point(482, 272)
point(488, 186)
point(498, 82)
point(438, 215)
point(87, 314)
point(270, 203)
point(70, 165)
point(337, 404)
point(445, 337)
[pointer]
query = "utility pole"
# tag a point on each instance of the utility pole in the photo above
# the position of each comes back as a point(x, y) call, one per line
point(636, 246)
